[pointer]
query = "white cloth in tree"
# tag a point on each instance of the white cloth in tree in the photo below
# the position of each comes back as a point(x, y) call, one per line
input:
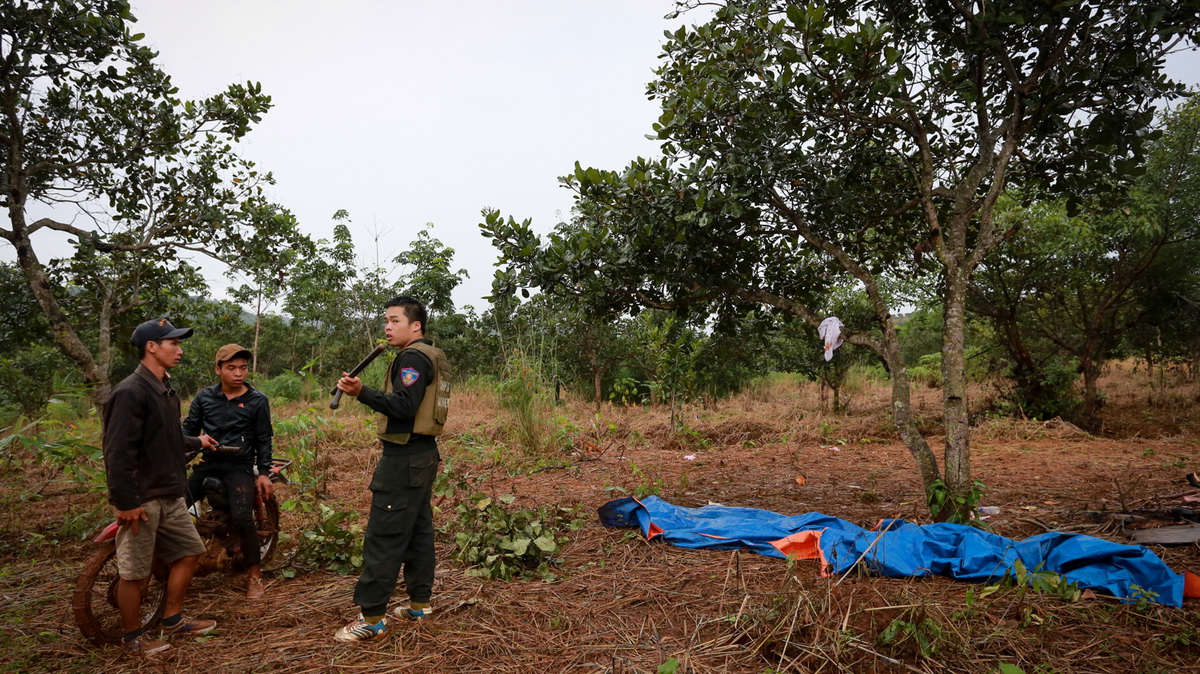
point(830, 331)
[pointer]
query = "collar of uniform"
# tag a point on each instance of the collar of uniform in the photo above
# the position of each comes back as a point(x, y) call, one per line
point(160, 387)
point(422, 340)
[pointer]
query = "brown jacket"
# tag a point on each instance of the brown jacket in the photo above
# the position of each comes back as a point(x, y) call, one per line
point(143, 441)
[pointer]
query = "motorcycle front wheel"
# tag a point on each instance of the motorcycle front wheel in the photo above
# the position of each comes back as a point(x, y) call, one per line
point(95, 598)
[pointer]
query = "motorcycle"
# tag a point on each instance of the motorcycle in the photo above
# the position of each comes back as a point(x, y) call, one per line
point(95, 598)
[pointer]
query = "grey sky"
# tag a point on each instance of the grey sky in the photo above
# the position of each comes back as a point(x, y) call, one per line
point(405, 113)
point(408, 112)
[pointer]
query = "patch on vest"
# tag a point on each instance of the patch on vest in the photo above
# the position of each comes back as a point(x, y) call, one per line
point(409, 376)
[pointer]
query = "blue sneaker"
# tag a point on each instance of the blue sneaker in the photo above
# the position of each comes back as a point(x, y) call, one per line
point(361, 630)
point(409, 613)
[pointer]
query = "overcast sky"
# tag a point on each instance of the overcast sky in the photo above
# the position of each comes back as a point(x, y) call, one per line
point(407, 112)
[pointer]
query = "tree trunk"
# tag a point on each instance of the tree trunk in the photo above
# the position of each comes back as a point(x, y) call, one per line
point(257, 330)
point(104, 348)
point(1090, 368)
point(64, 336)
point(956, 413)
point(1034, 396)
point(597, 374)
point(597, 371)
point(902, 414)
point(1149, 376)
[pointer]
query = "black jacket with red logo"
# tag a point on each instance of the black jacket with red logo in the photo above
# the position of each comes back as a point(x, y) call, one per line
point(244, 421)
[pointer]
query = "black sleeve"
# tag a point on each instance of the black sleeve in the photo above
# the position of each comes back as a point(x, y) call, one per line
point(123, 420)
point(404, 400)
point(263, 433)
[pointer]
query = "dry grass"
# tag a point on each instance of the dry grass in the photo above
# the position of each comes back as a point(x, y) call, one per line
point(625, 605)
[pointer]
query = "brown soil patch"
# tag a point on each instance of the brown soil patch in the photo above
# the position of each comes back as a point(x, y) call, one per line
point(625, 605)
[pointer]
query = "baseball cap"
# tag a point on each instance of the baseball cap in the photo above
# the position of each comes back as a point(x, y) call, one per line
point(231, 351)
point(158, 329)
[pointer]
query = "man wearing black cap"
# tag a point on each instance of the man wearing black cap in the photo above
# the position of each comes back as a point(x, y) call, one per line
point(145, 464)
point(234, 414)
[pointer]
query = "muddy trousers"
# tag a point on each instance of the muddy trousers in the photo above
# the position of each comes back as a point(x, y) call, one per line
point(399, 531)
point(240, 490)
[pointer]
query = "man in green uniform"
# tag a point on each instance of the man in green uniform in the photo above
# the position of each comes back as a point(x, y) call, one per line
point(412, 409)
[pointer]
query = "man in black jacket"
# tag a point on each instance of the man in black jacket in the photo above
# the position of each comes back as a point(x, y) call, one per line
point(145, 466)
point(235, 415)
point(412, 407)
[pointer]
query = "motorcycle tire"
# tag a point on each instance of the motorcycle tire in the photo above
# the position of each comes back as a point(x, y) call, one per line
point(268, 529)
point(95, 598)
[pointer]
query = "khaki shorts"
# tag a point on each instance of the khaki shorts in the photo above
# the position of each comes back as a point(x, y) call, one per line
point(168, 529)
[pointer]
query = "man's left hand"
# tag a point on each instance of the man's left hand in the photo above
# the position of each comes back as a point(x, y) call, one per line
point(265, 487)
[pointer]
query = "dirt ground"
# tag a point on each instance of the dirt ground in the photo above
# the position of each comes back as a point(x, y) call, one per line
point(623, 604)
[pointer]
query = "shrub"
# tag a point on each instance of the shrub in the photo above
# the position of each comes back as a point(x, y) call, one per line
point(530, 403)
point(30, 377)
point(287, 387)
point(501, 544)
point(334, 542)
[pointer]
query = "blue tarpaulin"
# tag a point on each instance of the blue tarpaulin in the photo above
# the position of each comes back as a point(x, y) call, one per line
point(900, 549)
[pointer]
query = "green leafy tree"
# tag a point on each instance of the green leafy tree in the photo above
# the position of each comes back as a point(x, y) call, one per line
point(1169, 300)
point(107, 293)
point(337, 301)
point(429, 276)
point(1067, 289)
point(89, 121)
point(27, 367)
point(320, 303)
point(854, 142)
point(268, 269)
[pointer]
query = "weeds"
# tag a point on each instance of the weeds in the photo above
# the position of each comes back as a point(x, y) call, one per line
point(924, 632)
point(1016, 586)
point(1142, 598)
point(645, 484)
point(298, 437)
point(500, 543)
point(68, 453)
point(961, 509)
point(334, 542)
point(529, 400)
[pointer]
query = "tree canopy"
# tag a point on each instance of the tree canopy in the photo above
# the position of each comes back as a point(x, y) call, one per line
point(90, 125)
point(806, 146)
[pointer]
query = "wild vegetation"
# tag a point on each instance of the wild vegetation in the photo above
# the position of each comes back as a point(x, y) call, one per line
point(527, 577)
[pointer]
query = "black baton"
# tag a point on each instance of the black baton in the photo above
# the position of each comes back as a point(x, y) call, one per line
point(337, 392)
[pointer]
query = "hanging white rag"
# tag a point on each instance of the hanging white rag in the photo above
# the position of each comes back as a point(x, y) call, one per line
point(831, 331)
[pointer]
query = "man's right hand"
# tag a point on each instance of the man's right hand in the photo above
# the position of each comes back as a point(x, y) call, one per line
point(130, 518)
point(351, 386)
point(207, 441)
